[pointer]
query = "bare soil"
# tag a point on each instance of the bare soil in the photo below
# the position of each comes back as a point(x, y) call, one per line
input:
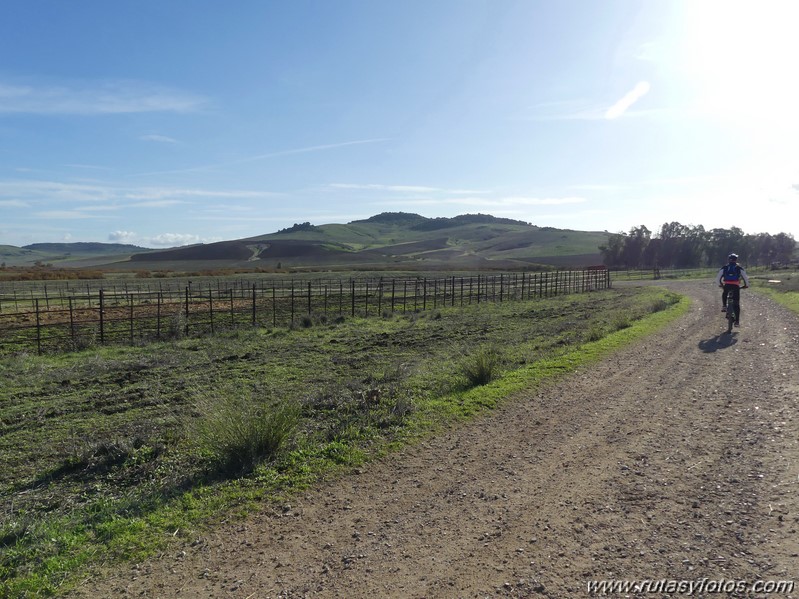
point(675, 458)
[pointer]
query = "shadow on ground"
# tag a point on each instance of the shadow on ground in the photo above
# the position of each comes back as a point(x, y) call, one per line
point(718, 342)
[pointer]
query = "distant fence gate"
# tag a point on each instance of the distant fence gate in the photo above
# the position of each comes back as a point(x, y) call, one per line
point(63, 322)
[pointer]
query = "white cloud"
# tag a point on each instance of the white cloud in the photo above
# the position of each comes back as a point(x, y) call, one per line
point(122, 237)
point(13, 204)
point(173, 239)
point(527, 201)
point(630, 98)
point(257, 157)
point(95, 98)
point(64, 214)
point(158, 138)
point(421, 189)
point(52, 191)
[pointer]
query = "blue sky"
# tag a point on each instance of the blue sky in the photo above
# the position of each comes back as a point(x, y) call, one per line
point(168, 122)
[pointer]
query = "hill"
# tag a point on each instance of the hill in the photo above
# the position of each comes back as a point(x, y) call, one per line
point(391, 240)
point(394, 240)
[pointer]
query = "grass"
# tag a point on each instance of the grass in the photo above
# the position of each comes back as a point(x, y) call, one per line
point(113, 454)
point(785, 292)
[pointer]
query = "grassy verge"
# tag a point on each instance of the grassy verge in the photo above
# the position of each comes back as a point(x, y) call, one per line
point(785, 291)
point(114, 454)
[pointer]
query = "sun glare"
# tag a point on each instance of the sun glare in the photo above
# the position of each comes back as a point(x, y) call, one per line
point(740, 57)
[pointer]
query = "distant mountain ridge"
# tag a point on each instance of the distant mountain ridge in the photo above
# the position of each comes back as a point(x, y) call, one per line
point(83, 247)
point(389, 240)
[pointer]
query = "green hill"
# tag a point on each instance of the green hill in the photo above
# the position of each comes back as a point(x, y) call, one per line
point(78, 254)
point(391, 240)
point(394, 240)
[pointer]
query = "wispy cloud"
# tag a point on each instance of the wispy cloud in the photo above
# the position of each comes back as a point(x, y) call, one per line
point(176, 239)
point(565, 110)
point(630, 98)
point(65, 214)
point(56, 191)
point(162, 240)
point(257, 157)
point(163, 139)
point(95, 98)
point(401, 188)
point(13, 204)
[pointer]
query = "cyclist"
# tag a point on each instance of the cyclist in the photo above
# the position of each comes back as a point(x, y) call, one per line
point(730, 276)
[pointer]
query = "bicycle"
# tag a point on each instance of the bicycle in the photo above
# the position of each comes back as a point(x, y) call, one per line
point(729, 313)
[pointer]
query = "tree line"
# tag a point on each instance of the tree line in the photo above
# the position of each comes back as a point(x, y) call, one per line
point(682, 246)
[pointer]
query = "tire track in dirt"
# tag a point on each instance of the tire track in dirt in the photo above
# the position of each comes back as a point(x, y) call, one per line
point(675, 458)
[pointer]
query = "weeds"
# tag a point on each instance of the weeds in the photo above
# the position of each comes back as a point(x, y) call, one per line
point(482, 366)
point(236, 430)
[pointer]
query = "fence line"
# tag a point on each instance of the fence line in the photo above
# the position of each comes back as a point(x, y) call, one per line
point(137, 315)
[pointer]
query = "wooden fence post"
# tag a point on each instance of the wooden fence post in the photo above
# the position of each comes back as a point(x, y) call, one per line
point(130, 306)
point(102, 316)
point(186, 328)
point(158, 317)
point(71, 322)
point(38, 330)
point(211, 307)
point(292, 301)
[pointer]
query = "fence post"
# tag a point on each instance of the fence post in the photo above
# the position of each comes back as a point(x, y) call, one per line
point(366, 301)
point(352, 298)
point(292, 301)
point(102, 315)
point(38, 330)
point(186, 328)
point(309, 298)
point(71, 322)
point(393, 281)
point(158, 318)
point(130, 306)
point(211, 307)
point(501, 287)
point(424, 294)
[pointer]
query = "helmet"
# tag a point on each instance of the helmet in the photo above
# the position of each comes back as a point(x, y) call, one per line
point(733, 257)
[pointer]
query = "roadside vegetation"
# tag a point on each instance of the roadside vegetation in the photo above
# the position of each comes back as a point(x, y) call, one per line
point(781, 286)
point(113, 454)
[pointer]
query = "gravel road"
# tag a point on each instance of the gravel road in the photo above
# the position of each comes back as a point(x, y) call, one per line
point(676, 458)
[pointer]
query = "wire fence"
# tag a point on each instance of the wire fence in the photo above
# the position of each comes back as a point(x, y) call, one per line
point(51, 322)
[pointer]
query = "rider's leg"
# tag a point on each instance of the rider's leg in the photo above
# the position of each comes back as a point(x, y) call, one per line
point(736, 300)
point(724, 298)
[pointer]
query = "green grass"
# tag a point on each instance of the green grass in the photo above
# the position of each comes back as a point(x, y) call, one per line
point(112, 454)
point(785, 292)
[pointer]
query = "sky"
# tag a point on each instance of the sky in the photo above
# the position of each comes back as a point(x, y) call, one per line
point(167, 122)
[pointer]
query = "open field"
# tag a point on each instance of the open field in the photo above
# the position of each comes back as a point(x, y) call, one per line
point(645, 473)
point(61, 319)
point(114, 453)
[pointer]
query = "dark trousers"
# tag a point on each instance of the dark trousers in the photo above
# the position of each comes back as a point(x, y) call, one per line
point(736, 298)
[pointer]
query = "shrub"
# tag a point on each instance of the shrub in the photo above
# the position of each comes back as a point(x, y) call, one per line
point(482, 366)
point(621, 322)
point(236, 431)
point(658, 306)
point(176, 326)
point(595, 333)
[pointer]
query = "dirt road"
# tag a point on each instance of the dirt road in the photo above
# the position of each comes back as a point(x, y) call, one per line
point(676, 458)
